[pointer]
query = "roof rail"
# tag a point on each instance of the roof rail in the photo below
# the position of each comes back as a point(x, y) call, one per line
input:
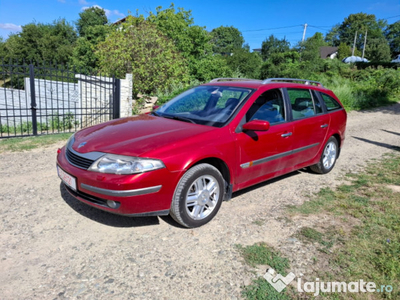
point(233, 79)
point(305, 81)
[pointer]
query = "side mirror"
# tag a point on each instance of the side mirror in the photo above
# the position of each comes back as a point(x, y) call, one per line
point(155, 107)
point(256, 125)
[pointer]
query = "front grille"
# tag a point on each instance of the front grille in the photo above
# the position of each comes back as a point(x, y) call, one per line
point(78, 161)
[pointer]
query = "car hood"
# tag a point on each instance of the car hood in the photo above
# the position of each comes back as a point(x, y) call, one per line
point(135, 136)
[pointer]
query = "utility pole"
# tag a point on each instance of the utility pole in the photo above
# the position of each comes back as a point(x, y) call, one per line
point(354, 45)
point(304, 32)
point(365, 43)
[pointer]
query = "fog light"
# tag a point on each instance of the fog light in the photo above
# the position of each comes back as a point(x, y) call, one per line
point(112, 204)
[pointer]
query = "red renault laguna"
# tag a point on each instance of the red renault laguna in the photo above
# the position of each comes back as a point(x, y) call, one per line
point(191, 153)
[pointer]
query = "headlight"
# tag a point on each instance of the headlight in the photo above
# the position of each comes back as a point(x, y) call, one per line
point(119, 164)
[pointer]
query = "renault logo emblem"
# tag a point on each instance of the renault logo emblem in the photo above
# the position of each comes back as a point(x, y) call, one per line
point(81, 145)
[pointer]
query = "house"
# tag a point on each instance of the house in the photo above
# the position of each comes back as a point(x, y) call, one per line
point(328, 52)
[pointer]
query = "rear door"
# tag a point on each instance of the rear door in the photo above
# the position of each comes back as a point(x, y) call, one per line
point(310, 123)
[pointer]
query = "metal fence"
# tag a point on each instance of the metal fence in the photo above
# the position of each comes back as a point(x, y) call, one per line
point(40, 99)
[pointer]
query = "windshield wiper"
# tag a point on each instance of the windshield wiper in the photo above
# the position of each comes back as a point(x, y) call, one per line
point(178, 118)
point(183, 119)
point(155, 114)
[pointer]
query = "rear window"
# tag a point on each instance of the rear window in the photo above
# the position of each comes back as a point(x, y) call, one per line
point(330, 103)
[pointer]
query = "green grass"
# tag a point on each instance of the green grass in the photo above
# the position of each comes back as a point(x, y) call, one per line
point(262, 254)
point(371, 251)
point(363, 244)
point(28, 143)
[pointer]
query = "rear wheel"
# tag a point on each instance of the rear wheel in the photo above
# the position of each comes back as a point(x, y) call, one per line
point(328, 157)
point(198, 196)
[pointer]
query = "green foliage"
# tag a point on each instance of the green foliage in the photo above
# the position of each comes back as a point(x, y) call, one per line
point(310, 48)
point(90, 17)
point(283, 65)
point(210, 67)
point(141, 49)
point(42, 42)
point(226, 40)
point(361, 89)
point(344, 51)
point(392, 34)
point(246, 63)
point(273, 45)
point(84, 56)
point(360, 22)
point(62, 122)
point(377, 50)
point(190, 40)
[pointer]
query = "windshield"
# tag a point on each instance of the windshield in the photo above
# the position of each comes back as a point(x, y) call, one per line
point(207, 105)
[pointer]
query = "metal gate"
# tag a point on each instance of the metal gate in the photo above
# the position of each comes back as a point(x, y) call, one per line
point(47, 99)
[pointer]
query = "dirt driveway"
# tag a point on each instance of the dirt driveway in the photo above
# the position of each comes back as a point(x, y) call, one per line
point(52, 247)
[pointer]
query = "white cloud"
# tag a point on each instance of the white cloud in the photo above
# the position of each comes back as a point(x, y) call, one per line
point(61, 1)
point(83, 2)
point(10, 26)
point(109, 13)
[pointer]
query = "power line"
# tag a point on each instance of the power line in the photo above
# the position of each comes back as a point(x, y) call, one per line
point(272, 28)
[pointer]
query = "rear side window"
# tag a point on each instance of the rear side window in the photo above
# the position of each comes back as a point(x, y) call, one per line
point(303, 104)
point(330, 103)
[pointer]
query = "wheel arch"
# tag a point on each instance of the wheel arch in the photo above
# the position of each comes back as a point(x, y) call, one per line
point(217, 163)
point(339, 141)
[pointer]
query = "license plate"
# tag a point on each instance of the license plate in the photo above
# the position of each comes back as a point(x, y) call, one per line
point(66, 178)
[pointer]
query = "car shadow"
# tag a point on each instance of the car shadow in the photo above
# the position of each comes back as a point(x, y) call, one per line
point(104, 217)
point(392, 132)
point(264, 183)
point(388, 146)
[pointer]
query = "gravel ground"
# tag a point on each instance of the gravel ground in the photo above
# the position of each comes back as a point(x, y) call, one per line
point(53, 247)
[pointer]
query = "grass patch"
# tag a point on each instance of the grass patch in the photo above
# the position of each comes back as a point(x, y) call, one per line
point(371, 251)
point(262, 254)
point(28, 143)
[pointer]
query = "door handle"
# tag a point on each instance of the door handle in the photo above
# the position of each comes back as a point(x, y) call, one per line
point(324, 126)
point(286, 134)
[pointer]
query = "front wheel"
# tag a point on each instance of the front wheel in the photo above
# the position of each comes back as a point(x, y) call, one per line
point(328, 157)
point(198, 196)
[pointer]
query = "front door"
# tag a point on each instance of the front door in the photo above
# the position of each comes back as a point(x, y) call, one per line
point(262, 153)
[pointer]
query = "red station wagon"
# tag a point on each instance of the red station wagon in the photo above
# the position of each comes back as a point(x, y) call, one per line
point(191, 153)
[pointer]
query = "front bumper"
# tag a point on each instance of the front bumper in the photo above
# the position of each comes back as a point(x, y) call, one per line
point(144, 194)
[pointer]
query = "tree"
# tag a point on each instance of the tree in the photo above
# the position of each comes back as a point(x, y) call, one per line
point(84, 56)
point(90, 17)
point(245, 62)
point(42, 42)
point(210, 67)
point(377, 50)
point(191, 40)
point(273, 45)
point(138, 47)
point(310, 48)
point(226, 39)
point(360, 22)
point(343, 51)
point(392, 34)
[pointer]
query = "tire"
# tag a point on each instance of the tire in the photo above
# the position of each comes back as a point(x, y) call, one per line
point(198, 196)
point(328, 157)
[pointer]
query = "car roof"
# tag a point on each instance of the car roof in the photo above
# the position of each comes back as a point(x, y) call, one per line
point(271, 83)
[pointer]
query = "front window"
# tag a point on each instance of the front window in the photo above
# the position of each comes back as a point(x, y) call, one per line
point(207, 105)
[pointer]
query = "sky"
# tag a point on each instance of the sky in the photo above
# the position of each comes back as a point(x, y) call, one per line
point(256, 19)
